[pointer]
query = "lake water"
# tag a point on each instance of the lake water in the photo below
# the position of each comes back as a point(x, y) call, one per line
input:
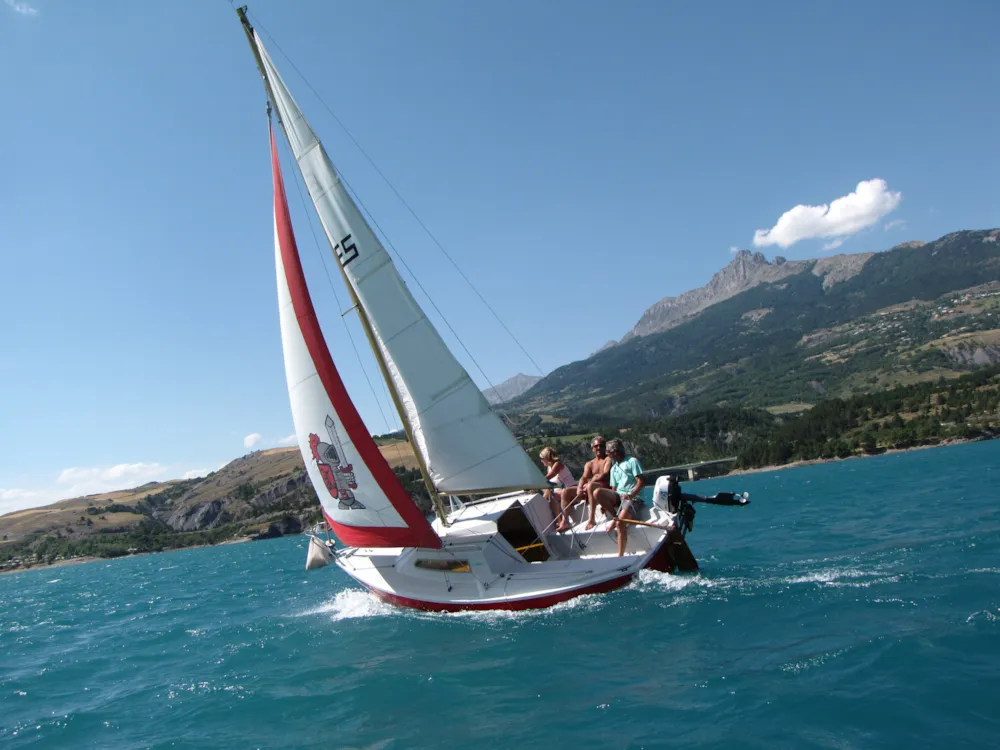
point(851, 605)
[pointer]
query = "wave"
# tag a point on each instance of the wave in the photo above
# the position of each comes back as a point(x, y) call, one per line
point(351, 604)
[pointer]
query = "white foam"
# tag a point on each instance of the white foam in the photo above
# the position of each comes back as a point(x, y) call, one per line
point(662, 581)
point(351, 604)
point(830, 575)
point(815, 661)
point(984, 613)
point(586, 602)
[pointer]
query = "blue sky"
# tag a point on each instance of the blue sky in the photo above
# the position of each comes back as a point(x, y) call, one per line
point(580, 160)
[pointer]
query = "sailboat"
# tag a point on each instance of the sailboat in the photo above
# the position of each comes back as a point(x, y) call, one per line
point(494, 545)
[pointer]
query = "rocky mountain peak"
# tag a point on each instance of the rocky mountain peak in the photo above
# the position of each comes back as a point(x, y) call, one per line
point(745, 270)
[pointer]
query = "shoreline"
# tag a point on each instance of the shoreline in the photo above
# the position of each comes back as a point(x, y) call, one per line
point(814, 461)
point(91, 559)
point(735, 472)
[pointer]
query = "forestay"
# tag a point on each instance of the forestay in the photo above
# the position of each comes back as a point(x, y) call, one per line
point(465, 446)
point(362, 498)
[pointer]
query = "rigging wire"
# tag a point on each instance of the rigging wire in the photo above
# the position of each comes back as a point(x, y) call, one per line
point(413, 213)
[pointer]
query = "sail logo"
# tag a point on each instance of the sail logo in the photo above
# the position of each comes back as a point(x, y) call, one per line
point(338, 475)
point(346, 253)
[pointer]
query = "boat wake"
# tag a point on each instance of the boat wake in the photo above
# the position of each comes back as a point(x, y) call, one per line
point(352, 604)
point(662, 581)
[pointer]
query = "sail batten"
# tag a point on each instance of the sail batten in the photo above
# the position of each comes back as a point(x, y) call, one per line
point(462, 443)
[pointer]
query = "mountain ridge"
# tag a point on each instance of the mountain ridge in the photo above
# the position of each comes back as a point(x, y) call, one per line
point(745, 271)
point(745, 344)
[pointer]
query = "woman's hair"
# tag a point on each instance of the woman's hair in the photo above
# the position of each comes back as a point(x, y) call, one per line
point(548, 454)
point(615, 445)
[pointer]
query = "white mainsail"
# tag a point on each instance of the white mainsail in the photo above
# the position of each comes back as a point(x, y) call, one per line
point(465, 446)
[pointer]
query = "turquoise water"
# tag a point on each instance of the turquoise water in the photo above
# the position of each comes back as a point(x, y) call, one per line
point(852, 605)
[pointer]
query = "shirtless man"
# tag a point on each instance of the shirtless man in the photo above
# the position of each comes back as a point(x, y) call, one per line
point(595, 476)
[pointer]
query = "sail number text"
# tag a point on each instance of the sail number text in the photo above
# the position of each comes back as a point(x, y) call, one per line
point(346, 252)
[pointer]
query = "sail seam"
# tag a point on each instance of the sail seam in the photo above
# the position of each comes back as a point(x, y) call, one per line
point(478, 463)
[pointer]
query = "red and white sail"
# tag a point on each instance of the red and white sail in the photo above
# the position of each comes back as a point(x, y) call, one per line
point(362, 498)
point(466, 447)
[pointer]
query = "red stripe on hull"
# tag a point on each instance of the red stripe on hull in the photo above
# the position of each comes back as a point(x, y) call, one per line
point(417, 532)
point(661, 560)
point(539, 602)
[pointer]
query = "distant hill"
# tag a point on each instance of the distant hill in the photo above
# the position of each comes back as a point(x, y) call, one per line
point(510, 388)
point(771, 333)
point(265, 493)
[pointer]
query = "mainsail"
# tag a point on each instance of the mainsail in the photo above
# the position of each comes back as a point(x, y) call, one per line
point(465, 447)
point(362, 499)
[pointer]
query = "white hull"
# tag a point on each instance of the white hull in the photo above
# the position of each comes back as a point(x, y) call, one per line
point(500, 553)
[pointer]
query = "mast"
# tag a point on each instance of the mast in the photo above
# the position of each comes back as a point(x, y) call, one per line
point(435, 496)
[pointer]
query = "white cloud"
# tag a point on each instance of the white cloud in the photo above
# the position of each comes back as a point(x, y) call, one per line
point(252, 439)
point(895, 224)
point(21, 7)
point(851, 213)
point(17, 499)
point(90, 480)
point(734, 249)
point(77, 481)
point(290, 440)
point(834, 244)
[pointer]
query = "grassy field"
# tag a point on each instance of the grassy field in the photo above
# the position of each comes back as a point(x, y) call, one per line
point(793, 408)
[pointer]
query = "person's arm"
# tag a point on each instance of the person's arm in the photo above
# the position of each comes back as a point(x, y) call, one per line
point(640, 482)
point(584, 480)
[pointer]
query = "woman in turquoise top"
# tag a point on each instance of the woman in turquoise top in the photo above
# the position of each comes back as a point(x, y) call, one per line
point(620, 501)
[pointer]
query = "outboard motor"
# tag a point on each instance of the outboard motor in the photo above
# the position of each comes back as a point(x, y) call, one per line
point(667, 493)
point(667, 496)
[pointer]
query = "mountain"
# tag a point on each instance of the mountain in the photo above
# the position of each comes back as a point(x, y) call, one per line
point(790, 332)
point(745, 271)
point(510, 388)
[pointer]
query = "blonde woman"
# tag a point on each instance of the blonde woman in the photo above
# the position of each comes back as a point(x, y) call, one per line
point(564, 491)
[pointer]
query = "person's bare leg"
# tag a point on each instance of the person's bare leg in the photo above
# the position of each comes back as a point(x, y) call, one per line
point(553, 502)
point(568, 496)
point(591, 507)
point(606, 499)
point(623, 530)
